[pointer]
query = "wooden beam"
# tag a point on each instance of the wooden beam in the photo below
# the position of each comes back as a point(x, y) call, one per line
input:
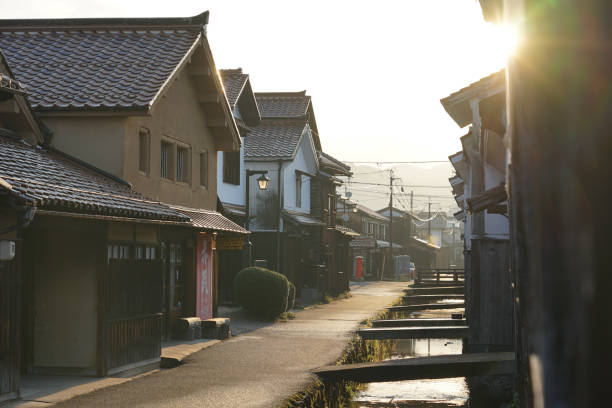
point(432, 306)
point(447, 366)
point(397, 333)
point(432, 297)
point(438, 290)
point(418, 322)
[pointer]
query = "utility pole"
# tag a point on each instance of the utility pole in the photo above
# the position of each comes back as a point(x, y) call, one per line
point(392, 263)
point(429, 220)
point(411, 199)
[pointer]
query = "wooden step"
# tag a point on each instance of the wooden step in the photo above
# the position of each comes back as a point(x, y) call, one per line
point(418, 322)
point(409, 299)
point(446, 366)
point(431, 306)
point(435, 290)
point(400, 333)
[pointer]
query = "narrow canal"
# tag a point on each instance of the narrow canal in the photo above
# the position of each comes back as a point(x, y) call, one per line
point(448, 392)
point(435, 393)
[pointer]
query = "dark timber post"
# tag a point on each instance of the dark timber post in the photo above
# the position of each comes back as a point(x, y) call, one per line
point(559, 104)
point(391, 222)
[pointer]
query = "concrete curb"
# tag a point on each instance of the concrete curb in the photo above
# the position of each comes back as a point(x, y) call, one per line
point(174, 356)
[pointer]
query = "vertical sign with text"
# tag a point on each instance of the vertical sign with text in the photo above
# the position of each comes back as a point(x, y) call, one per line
point(204, 280)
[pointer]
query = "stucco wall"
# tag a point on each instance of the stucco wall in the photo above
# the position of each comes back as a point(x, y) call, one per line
point(263, 203)
point(178, 117)
point(95, 140)
point(305, 161)
point(231, 193)
point(65, 300)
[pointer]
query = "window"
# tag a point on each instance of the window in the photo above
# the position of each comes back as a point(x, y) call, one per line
point(298, 190)
point(204, 169)
point(144, 144)
point(145, 252)
point(331, 210)
point(231, 167)
point(182, 164)
point(118, 251)
point(166, 160)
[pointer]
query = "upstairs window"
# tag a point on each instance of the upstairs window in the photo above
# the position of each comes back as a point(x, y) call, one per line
point(167, 160)
point(144, 151)
point(298, 190)
point(231, 167)
point(331, 211)
point(182, 164)
point(204, 169)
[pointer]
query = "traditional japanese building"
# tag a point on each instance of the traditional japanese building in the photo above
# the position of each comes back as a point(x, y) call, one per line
point(141, 100)
point(81, 283)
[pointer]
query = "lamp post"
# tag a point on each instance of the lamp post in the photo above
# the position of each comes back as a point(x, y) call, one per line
point(262, 182)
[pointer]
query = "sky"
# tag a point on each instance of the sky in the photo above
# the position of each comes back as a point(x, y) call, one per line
point(376, 70)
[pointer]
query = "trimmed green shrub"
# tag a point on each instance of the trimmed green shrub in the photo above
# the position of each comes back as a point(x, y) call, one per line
point(291, 298)
point(262, 292)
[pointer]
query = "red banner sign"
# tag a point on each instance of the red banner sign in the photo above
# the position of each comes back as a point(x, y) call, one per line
point(204, 280)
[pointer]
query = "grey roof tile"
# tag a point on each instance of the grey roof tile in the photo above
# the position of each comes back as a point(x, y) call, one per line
point(53, 181)
point(210, 220)
point(283, 104)
point(272, 140)
point(233, 82)
point(77, 69)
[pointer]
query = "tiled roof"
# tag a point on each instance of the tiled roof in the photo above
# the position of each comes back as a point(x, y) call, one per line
point(78, 68)
point(367, 211)
point(424, 243)
point(233, 82)
point(53, 181)
point(302, 219)
point(495, 77)
point(273, 140)
point(346, 231)
point(363, 242)
point(210, 220)
point(283, 104)
point(337, 167)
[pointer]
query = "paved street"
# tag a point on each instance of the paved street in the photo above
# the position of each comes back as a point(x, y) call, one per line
point(261, 366)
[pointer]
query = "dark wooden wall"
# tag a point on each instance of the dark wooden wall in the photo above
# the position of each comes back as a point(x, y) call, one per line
point(489, 308)
point(559, 108)
point(9, 329)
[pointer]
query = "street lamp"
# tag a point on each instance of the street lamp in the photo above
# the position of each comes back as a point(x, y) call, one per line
point(263, 185)
point(262, 182)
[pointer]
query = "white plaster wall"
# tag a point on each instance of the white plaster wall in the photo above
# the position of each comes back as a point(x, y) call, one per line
point(262, 198)
point(231, 193)
point(496, 225)
point(305, 160)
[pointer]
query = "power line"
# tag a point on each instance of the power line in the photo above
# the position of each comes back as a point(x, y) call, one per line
point(397, 185)
point(397, 162)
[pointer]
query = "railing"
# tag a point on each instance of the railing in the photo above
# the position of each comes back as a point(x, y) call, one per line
point(440, 276)
point(134, 339)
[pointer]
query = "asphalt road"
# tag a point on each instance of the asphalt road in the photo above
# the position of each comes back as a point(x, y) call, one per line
point(261, 366)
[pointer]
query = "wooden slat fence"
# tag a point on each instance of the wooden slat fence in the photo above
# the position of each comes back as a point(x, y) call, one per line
point(448, 276)
point(134, 305)
point(134, 339)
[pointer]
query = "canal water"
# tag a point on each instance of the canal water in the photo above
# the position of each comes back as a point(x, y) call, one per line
point(436, 393)
point(447, 392)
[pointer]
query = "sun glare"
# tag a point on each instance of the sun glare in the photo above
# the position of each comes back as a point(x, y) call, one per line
point(509, 40)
